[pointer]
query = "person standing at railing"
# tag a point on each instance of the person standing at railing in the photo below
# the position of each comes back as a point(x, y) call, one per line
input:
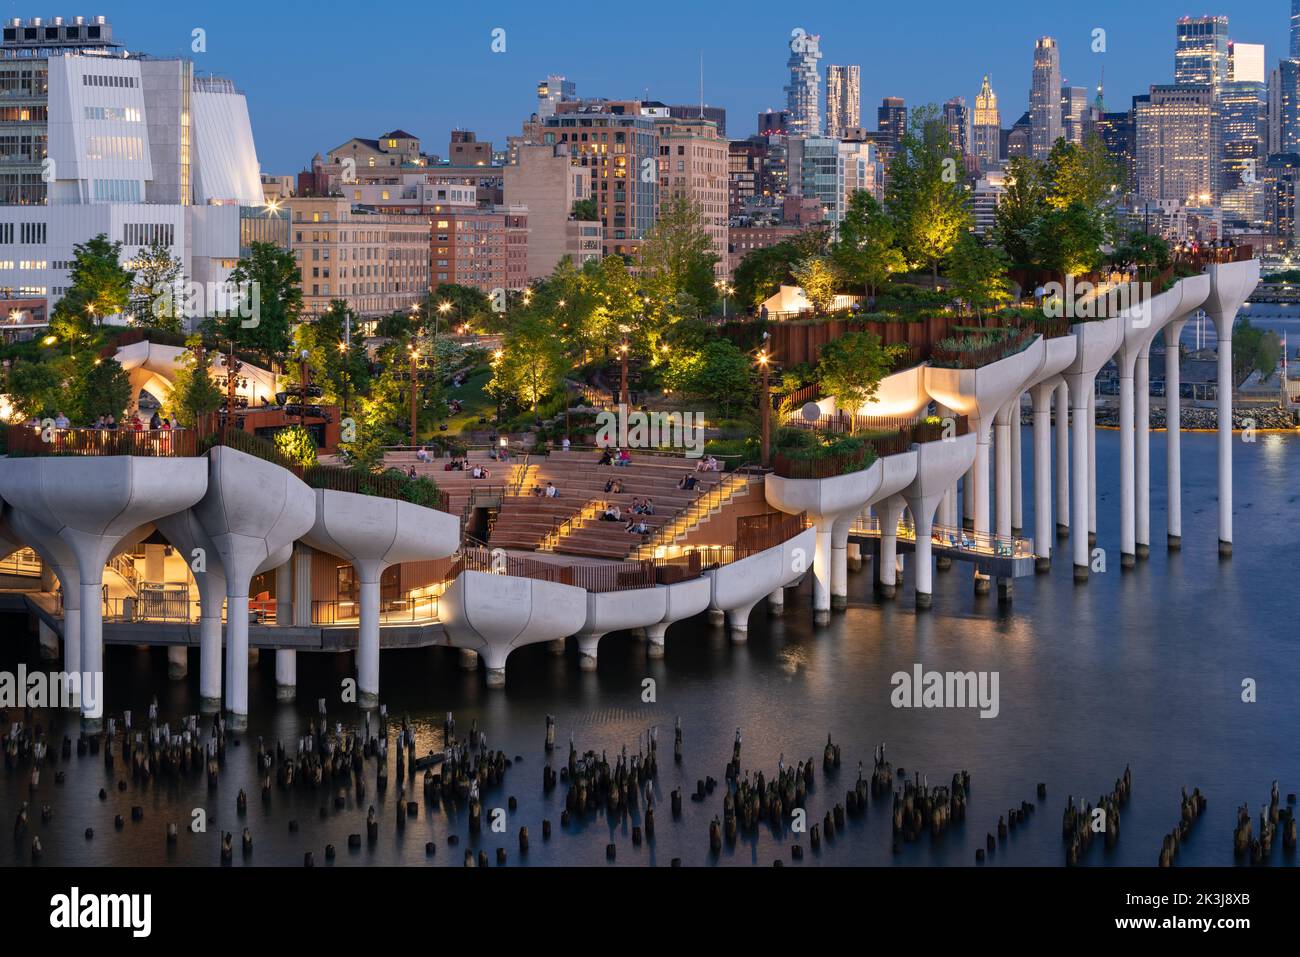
point(60, 421)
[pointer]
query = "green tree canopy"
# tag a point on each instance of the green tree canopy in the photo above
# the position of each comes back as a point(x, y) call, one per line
point(273, 273)
point(157, 294)
point(676, 260)
point(194, 394)
point(979, 274)
point(851, 367)
point(865, 254)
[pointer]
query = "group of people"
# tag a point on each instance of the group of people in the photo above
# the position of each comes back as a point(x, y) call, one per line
point(620, 457)
point(708, 464)
point(157, 422)
point(643, 506)
point(613, 486)
point(687, 482)
point(549, 491)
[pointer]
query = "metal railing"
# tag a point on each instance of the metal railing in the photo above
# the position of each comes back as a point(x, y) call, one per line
point(951, 537)
point(125, 568)
point(24, 563)
point(560, 530)
point(409, 609)
point(713, 499)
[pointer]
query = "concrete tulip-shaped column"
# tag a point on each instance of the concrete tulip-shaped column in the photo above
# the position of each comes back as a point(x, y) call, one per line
point(1042, 394)
point(1002, 428)
point(62, 561)
point(681, 601)
point(1142, 452)
point(890, 512)
point(938, 465)
point(92, 503)
point(253, 512)
point(1173, 434)
point(1095, 343)
point(185, 533)
point(1017, 484)
point(1231, 285)
point(374, 533)
point(1062, 460)
point(827, 502)
point(618, 611)
point(738, 587)
point(495, 614)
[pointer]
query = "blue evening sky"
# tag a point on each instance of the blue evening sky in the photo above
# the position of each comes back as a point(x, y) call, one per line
point(318, 73)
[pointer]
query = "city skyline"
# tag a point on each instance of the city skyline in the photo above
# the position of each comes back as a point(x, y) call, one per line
point(744, 64)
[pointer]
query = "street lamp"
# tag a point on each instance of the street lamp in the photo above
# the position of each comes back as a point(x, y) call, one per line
point(444, 307)
point(415, 384)
point(622, 387)
point(765, 409)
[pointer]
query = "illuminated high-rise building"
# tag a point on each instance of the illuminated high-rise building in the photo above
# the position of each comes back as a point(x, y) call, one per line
point(1174, 148)
point(1074, 112)
point(803, 93)
point(956, 117)
point(1201, 54)
point(986, 130)
point(891, 120)
point(1045, 98)
point(1246, 63)
point(1243, 131)
point(843, 99)
point(1295, 29)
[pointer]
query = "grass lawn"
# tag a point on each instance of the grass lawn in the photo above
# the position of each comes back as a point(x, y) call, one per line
point(475, 402)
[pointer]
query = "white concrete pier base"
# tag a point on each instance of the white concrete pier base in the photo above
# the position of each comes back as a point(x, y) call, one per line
point(1042, 396)
point(556, 647)
point(840, 562)
point(890, 510)
point(1017, 482)
point(468, 659)
point(587, 645)
point(739, 618)
point(718, 617)
point(210, 659)
point(776, 603)
point(237, 661)
point(286, 674)
point(1173, 434)
point(1062, 460)
point(823, 561)
point(1142, 453)
point(655, 639)
point(1092, 468)
point(178, 662)
point(368, 635)
point(1127, 519)
point(1080, 400)
point(1223, 327)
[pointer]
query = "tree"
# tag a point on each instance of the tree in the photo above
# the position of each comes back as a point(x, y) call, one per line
point(36, 389)
point(97, 387)
point(1022, 205)
point(342, 373)
point(585, 209)
point(925, 196)
point(271, 276)
point(851, 367)
point(1069, 240)
point(865, 254)
point(979, 274)
point(296, 444)
point(1149, 253)
point(818, 281)
point(762, 272)
point(157, 293)
point(531, 366)
point(451, 305)
point(194, 394)
point(1084, 174)
point(719, 372)
point(100, 286)
point(676, 260)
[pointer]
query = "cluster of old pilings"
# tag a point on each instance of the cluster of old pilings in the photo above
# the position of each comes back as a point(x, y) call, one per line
point(1190, 808)
point(1080, 824)
point(1007, 823)
point(918, 807)
point(1273, 819)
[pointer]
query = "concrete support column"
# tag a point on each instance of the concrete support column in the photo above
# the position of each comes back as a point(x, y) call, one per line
point(1042, 396)
point(178, 662)
point(237, 659)
point(840, 562)
point(1063, 460)
point(981, 484)
point(1080, 400)
point(1173, 433)
point(822, 562)
point(368, 638)
point(1223, 327)
point(587, 651)
point(1127, 520)
point(92, 635)
point(286, 674)
point(775, 603)
point(1092, 466)
point(890, 511)
point(1142, 452)
point(1002, 455)
point(155, 561)
point(210, 656)
point(468, 659)
point(968, 495)
point(1017, 472)
point(72, 633)
point(556, 647)
point(739, 618)
point(302, 584)
point(284, 594)
point(655, 637)
point(948, 507)
point(49, 641)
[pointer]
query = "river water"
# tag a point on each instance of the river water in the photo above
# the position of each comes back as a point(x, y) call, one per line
point(1141, 668)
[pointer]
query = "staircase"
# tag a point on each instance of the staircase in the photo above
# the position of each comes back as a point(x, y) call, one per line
point(733, 486)
point(564, 532)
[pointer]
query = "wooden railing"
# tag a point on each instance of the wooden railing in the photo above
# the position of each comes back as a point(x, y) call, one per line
point(876, 446)
point(26, 440)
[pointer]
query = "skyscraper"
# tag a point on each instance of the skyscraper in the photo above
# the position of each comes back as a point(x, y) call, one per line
point(1284, 106)
point(987, 129)
point(843, 99)
point(1243, 131)
point(891, 120)
point(1201, 54)
point(956, 117)
point(1246, 63)
point(1045, 98)
point(1295, 29)
point(1074, 111)
point(1174, 145)
point(803, 93)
